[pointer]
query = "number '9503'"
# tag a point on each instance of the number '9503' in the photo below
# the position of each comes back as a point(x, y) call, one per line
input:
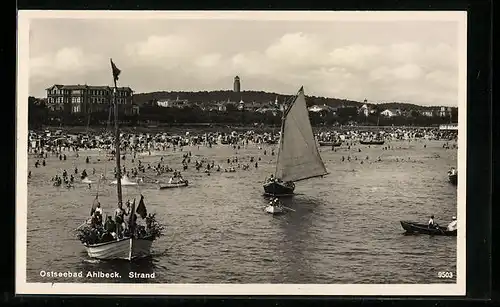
point(445, 274)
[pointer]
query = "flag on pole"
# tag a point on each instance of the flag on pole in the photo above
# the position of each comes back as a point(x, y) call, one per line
point(141, 208)
point(116, 71)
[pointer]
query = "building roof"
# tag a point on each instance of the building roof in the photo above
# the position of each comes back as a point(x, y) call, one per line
point(82, 87)
point(391, 110)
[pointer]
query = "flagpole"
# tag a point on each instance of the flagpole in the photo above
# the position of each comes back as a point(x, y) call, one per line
point(117, 141)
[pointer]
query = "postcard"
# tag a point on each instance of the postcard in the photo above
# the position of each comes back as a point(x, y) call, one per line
point(241, 153)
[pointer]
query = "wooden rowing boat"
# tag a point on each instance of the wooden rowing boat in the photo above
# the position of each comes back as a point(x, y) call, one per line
point(416, 228)
point(126, 249)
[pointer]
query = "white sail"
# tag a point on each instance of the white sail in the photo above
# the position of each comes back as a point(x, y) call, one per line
point(298, 155)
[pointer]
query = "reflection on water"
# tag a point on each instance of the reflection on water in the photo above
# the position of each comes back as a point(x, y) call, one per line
point(297, 236)
point(344, 227)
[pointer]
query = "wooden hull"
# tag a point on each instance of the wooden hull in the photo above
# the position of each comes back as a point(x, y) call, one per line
point(126, 249)
point(336, 144)
point(278, 189)
point(173, 185)
point(453, 178)
point(381, 142)
point(416, 228)
point(274, 210)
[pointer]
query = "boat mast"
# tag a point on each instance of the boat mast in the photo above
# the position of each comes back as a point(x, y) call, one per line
point(117, 147)
point(282, 129)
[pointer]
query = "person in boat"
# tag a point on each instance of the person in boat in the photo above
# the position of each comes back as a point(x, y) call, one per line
point(271, 178)
point(275, 202)
point(97, 219)
point(453, 224)
point(109, 230)
point(96, 206)
point(431, 223)
point(120, 214)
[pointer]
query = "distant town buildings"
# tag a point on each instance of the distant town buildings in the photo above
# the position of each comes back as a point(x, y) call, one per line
point(428, 113)
point(84, 99)
point(237, 84)
point(365, 109)
point(445, 112)
point(391, 112)
point(169, 103)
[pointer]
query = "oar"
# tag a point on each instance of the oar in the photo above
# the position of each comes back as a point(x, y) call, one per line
point(442, 232)
point(289, 208)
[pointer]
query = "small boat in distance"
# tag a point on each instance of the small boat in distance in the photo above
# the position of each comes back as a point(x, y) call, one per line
point(172, 185)
point(416, 228)
point(275, 207)
point(326, 143)
point(453, 176)
point(298, 156)
point(372, 142)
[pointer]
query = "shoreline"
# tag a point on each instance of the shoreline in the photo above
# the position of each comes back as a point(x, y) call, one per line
point(220, 128)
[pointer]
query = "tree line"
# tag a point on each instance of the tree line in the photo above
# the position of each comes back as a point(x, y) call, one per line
point(39, 115)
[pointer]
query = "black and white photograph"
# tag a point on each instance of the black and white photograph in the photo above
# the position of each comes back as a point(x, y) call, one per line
point(241, 153)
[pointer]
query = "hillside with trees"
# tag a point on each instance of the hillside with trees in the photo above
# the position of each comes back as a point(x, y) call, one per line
point(247, 96)
point(200, 110)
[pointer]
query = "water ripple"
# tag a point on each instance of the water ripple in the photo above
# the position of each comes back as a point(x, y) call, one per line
point(345, 228)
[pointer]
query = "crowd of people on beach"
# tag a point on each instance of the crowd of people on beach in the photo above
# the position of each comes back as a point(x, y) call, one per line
point(137, 147)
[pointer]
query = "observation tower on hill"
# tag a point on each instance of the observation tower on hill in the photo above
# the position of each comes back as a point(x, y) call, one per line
point(236, 85)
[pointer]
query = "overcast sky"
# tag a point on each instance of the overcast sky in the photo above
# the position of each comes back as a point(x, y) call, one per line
point(407, 61)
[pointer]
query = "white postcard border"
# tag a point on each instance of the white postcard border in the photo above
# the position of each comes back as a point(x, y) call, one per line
point(22, 287)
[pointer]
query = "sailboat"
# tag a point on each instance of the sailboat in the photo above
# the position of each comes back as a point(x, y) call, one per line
point(298, 155)
point(137, 243)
